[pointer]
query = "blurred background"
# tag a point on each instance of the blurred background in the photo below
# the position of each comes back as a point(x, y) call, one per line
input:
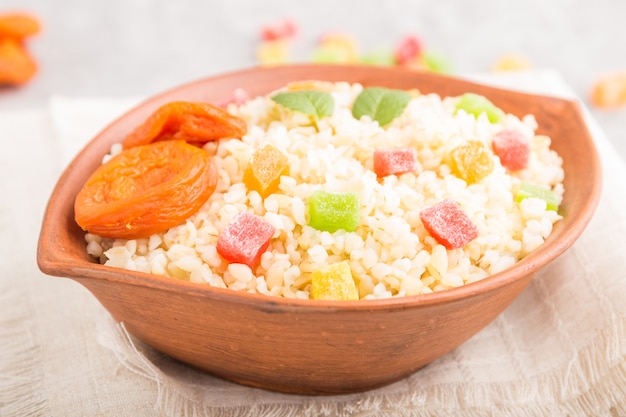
point(136, 48)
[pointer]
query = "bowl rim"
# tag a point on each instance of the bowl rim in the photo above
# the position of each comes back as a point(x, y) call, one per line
point(55, 262)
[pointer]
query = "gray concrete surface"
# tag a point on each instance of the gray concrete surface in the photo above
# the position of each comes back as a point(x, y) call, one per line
point(140, 47)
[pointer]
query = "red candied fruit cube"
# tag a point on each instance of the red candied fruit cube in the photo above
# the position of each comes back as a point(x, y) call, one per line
point(283, 29)
point(245, 239)
point(394, 161)
point(448, 224)
point(407, 51)
point(513, 149)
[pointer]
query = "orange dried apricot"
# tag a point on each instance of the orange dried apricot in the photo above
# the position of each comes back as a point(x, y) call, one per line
point(188, 121)
point(18, 25)
point(145, 190)
point(16, 64)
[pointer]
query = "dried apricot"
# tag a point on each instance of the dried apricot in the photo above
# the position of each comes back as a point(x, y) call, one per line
point(18, 25)
point(16, 64)
point(145, 190)
point(188, 121)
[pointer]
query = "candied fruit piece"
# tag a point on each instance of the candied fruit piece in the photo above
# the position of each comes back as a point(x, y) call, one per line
point(382, 57)
point(394, 161)
point(273, 52)
point(335, 48)
point(471, 161)
point(513, 149)
point(283, 29)
point(245, 239)
point(408, 50)
point(331, 211)
point(511, 62)
point(476, 104)
point(448, 224)
point(609, 91)
point(238, 97)
point(334, 282)
point(436, 62)
point(264, 170)
point(529, 190)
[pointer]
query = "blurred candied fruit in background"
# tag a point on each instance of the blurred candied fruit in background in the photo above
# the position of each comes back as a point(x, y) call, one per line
point(338, 47)
point(17, 66)
point(609, 91)
point(342, 48)
point(511, 62)
point(335, 48)
point(275, 42)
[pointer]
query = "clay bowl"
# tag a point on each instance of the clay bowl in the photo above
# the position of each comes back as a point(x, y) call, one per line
point(305, 346)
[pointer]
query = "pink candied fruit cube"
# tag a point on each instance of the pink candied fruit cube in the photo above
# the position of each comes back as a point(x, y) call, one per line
point(513, 149)
point(408, 50)
point(448, 224)
point(245, 239)
point(394, 161)
point(239, 96)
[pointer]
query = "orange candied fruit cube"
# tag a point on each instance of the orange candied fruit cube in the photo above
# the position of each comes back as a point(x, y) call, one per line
point(511, 62)
point(609, 91)
point(264, 170)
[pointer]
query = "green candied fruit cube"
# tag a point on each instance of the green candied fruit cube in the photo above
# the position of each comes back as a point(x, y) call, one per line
point(382, 57)
point(476, 104)
point(331, 211)
point(528, 190)
point(329, 55)
point(437, 63)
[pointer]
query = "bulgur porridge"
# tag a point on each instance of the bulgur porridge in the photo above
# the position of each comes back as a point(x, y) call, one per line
point(390, 252)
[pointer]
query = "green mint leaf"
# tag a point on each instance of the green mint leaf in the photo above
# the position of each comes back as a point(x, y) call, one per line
point(381, 104)
point(314, 103)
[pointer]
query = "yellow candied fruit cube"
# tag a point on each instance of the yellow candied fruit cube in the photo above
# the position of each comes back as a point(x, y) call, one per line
point(334, 282)
point(306, 85)
point(511, 62)
point(273, 52)
point(336, 48)
point(471, 161)
point(264, 170)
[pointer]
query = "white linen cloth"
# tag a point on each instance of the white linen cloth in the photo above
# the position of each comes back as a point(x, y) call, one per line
point(558, 350)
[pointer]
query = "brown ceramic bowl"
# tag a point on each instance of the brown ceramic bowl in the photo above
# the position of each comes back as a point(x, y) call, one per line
point(304, 346)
